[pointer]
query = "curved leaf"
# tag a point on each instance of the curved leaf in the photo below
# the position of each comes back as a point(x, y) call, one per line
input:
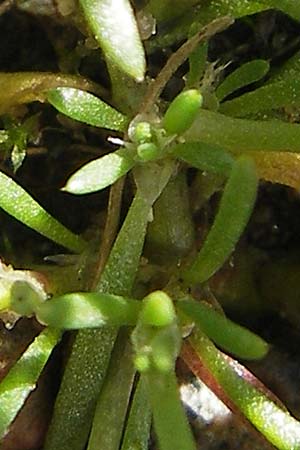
point(100, 173)
point(19, 204)
point(271, 96)
point(246, 74)
point(274, 422)
point(115, 28)
point(22, 378)
point(87, 108)
point(228, 335)
point(235, 209)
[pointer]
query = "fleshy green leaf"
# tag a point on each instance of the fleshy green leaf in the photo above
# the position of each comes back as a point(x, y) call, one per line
point(110, 413)
point(239, 135)
point(75, 310)
point(87, 108)
point(203, 156)
point(115, 28)
point(271, 96)
point(275, 423)
point(19, 204)
point(138, 425)
point(246, 74)
point(197, 62)
point(235, 209)
point(22, 378)
point(228, 335)
point(100, 173)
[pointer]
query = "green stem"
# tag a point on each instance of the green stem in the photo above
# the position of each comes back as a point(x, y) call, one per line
point(170, 421)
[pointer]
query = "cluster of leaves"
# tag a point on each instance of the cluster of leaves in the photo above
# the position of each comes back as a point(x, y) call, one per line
point(102, 400)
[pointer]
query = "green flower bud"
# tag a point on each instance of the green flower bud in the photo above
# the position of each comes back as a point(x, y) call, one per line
point(182, 111)
point(158, 310)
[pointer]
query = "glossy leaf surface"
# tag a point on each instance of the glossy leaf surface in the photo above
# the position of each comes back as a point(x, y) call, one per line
point(23, 376)
point(100, 173)
point(18, 203)
point(259, 409)
point(115, 28)
point(87, 108)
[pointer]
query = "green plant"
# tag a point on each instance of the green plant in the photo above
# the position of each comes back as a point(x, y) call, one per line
point(124, 355)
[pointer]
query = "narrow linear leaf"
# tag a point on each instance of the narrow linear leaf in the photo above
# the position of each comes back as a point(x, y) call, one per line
point(228, 335)
point(240, 135)
point(76, 401)
point(115, 28)
point(19, 204)
point(87, 108)
point(91, 350)
point(235, 209)
point(203, 156)
point(114, 397)
point(170, 421)
point(23, 376)
point(137, 432)
point(271, 96)
point(197, 62)
point(100, 173)
point(246, 74)
point(276, 424)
